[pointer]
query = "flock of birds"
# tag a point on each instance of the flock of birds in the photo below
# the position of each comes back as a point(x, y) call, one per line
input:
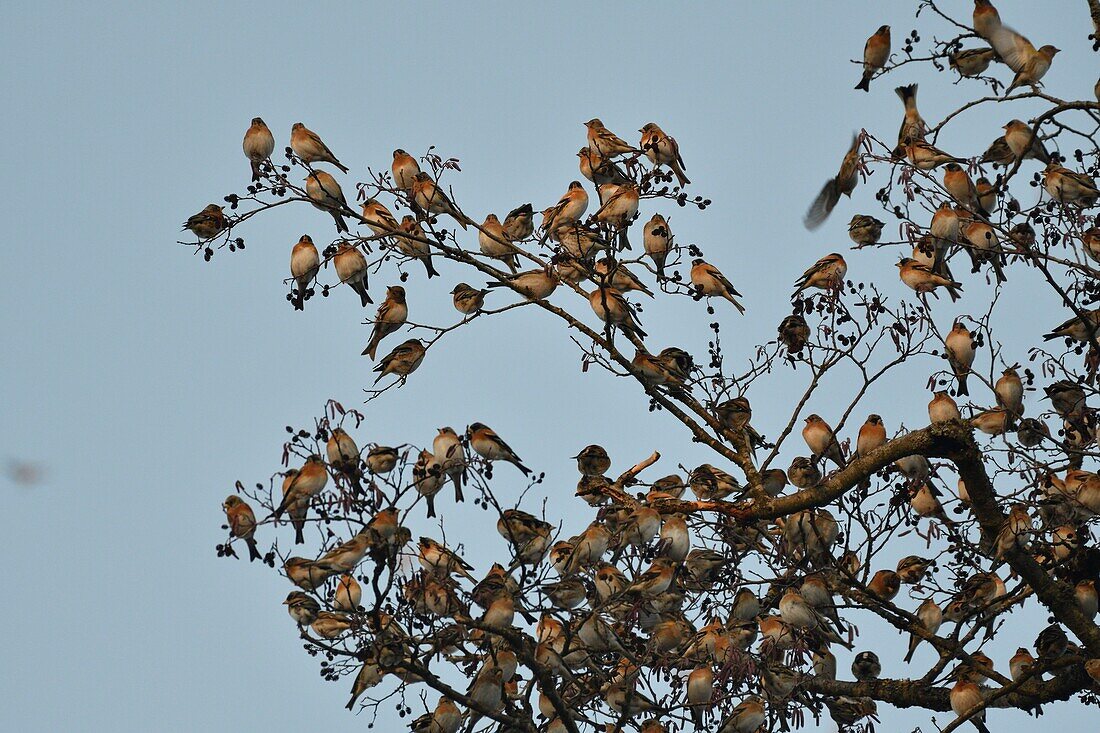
point(637, 614)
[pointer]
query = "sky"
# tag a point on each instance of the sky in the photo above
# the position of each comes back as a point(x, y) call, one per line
point(145, 381)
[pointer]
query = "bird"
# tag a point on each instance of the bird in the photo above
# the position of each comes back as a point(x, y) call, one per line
point(864, 229)
point(370, 674)
point(301, 485)
point(1021, 56)
point(959, 346)
point(325, 194)
point(535, 284)
point(700, 688)
point(958, 184)
point(942, 408)
point(468, 300)
point(589, 548)
point(966, 696)
point(825, 274)
point(657, 241)
point(593, 461)
point(1087, 601)
point(351, 267)
point(381, 459)
point(1068, 187)
point(804, 473)
point(930, 617)
point(710, 483)
point(348, 594)
point(988, 195)
point(309, 147)
point(613, 309)
point(998, 153)
point(605, 142)
point(986, 19)
point(344, 557)
point(618, 209)
point(302, 607)
point(242, 523)
point(872, 435)
point(913, 126)
point(821, 441)
point(925, 156)
point(436, 558)
point(614, 273)
point(662, 149)
point(569, 209)
point(1020, 664)
point(1010, 392)
point(258, 145)
point(413, 242)
point(655, 580)
point(448, 452)
point(427, 194)
point(971, 61)
point(379, 219)
point(875, 53)
point(404, 169)
point(494, 242)
point(519, 224)
point(922, 279)
point(1078, 328)
point(709, 281)
point(983, 247)
point(844, 183)
point(304, 264)
point(1051, 643)
point(793, 333)
point(1024, 143)
point(884, 585)
point(746, 717)
point(487, 444)
point(866, 666)
point(402, 361)
point(390, 317)
point(305, 574)
point(208, 223)
point(598, 169)
point(343, 455)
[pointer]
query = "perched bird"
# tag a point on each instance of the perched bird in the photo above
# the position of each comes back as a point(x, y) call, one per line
point(884, 585)
point(875, 53)
point(468, 300)
point(605, 142)
point(793, 333)
point(379, 219)
point(1020, 663)
point(348, 594)
point(825, 274)
point(302, 607)
point(844, 183)
point(593, 461)
point(942, 408)
point(390, 317)
point(1079, 328)
point(487, 444)
point(258, 145)
point(520, 223)
point(804, 473)
point(661, 149)
point(370, 674)
point(569, 209)
point(872, 435)
point(618, 209)
point(931, 618)
point(821, 441)
point(987, 193)
point(598, 169)
point(242, 523)
point(589, 548)
point(207, 223)
point(998, 153)
point(1023, 143)
point(614, 273)
point(958, 184)
point(700, 688)
point(913, 126)
point(531, 284)
point(351, 267)
point(922, 280)
point(431, 198)
point(864, 229)
point(305, 573)
point(1010, 392)
point(971, 61)
point(1051, 642)
point(494, 242)
point(402, 361)
point(435, 558)
point(1021, 56)
point(344, 557)
point(304, 264)
point(746, 717)
point(965, 697)
point(656, 579)
point(1087, 601)
point(866, 667)
point(925, 156)
point(325, 194)
point(612, 308)
point(986, 19)
point(959, 346)
point(343, 455)
point(657, 241)
point(300, 486)
point(404, 169)
point(983, 247)
point(310, 148)
point(381, 459)
point(1066, 186)
point(449, 454)
point(709, 281)
point(710, 483)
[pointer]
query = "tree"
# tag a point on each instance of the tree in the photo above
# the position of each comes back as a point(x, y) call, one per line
point(703, 597)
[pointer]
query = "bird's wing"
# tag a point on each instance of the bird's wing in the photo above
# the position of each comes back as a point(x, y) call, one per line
point(1013, 48)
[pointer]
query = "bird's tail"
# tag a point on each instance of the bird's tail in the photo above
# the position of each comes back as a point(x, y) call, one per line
point(253, 551)
point(865, 82)
point(430, 267)
point(299, 535)
point(908, 95)
point(372, 347)
point(341, 225)
point(343, 168)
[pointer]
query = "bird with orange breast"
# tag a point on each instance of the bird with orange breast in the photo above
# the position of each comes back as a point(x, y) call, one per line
point(258, 145)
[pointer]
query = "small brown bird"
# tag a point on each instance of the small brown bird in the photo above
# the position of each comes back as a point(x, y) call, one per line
point(657, 241)
point(913, 126)
point(1077, 328)
point(971, 61)
point(569, 209)
point(986, 19)
point(931, 618)
point(405, 169)
point(709, 281)
point(863, 229)
point(532, 284)
point(304, 264)
point(1020, 663)
point(618, 209)
point(1024, 144)
point(431, 198)
point(925, 156)
point(490, 446)
point(380, 220)
point(661, 149)
point(343, 455)
point(700, 688)
point(494, 242)
point(746, 717)
point(965, 697)
point(468, 300)
point(390, 317)
point(302, 607)
point(299, 487)
point(1021, 56)
point(382, 459)
point(872, 435)
point(875, 53)
point(605, 142)
point(804, 473)
point(1064, 186)
point(1010, 392)
point(413, 242)
point(258, 145)
point(207, 223)
point(942, 408)
point(844, 183)
point(794, 332)
point(923, 280)
point(310, 148)
point(613, 272)
point(520, 223)
point(242, 523)
point(821, 441)
point(351, 267)
point(825, 274)
point(998, 153)
point(613, 309)
point(598, 169)
point(983, 247)
point(962, 189)
point(959, 346)
point(593, 461)
point(325, 194)
point(884, 584)
point(402, 361)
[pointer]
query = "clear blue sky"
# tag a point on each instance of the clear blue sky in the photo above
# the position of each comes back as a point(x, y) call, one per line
point(146, 381)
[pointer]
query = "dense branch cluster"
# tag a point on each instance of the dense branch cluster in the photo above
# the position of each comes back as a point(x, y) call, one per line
point(718, 597)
